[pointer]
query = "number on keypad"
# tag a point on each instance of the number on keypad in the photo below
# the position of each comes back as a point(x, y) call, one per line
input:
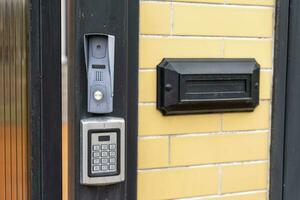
point(96, 147)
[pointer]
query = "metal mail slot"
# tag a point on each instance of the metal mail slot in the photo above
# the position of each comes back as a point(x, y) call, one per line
point(186, 86)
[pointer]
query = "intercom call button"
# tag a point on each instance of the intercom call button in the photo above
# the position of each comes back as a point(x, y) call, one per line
point(98, 95)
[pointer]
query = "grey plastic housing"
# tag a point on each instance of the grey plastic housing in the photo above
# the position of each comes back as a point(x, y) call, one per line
point(99, 50)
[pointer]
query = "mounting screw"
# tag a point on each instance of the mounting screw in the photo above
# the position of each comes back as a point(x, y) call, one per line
point(168, 87)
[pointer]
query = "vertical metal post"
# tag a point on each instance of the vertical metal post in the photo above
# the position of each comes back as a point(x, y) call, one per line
point(279, 98)
point(119, 18)
point(44, 91)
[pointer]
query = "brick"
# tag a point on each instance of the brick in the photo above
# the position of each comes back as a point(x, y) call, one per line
point(191, 150)
point(155, 18)
point(222, 21)
point(202, 1)
point(258, 119)
point(152, 122)
point(256, 196)
point(154, 49)
point(252, 2)
point(153, 152)
point(245, 177)
point(147, 86)
point(265, 91)
point(261, 50)
point(239, 2)
point(177, 183)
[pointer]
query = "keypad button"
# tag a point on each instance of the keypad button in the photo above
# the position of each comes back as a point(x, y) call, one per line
point(96, 161)
point(104, 160)
point(104, 154)
point(112, 167)
point(112, 146)
point(112, 154)
point(96, 168)
point(104, 147)
point(104, 168)
point(96, 147)
point(96, 154)
point(112, 160)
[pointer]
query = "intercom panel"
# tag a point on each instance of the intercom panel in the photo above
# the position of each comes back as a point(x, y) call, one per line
point(99, 58)
point(102, 150)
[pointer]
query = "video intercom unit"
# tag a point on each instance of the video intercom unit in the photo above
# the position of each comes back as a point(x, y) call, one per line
point(99, 50)
point(102, 154)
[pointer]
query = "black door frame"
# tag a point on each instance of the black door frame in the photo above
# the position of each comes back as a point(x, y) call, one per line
point(44, 95)
point(285, 150)
point(286, 94)
point(279, 98)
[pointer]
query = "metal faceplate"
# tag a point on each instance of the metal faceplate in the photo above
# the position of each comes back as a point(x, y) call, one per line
point(99, 57)
point(102, 150)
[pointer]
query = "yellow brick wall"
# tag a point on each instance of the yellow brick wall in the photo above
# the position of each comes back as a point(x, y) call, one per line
point(205, 156)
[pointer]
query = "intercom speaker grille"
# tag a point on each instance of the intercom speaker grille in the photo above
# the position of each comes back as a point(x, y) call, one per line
point(99, 76)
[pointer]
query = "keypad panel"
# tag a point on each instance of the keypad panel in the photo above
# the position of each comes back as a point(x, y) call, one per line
point(104, 155)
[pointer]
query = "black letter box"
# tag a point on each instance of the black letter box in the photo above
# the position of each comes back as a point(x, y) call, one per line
point(186, 86)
